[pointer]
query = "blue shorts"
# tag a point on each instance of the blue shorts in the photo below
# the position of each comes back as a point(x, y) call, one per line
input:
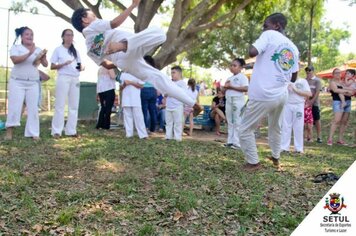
point(337, 106)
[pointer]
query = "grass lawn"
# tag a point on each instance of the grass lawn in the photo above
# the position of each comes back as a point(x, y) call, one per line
point(105, 184)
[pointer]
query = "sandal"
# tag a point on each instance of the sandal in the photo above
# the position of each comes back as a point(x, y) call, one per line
point(325, 177)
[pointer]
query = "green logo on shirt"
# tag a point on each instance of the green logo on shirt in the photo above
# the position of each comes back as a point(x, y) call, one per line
point(97, 46)
point(284, 59)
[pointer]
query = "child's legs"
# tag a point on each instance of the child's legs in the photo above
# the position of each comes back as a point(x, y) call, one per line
point(230, 117)
point(32, 128)
point(191, 123)
point(128, 121)
point(178, 123)
point(254, 111)
point(298, 128)
point(342, 99)
point(274, 125)
point(139, 122)
point(138, 45)
point(287, 127)
point(169, 123)
point(16, 99)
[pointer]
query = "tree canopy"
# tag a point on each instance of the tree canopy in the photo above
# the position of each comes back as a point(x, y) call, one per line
point(213, 32)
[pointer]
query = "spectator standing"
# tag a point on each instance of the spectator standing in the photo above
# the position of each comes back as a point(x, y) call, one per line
point(188, 110)
point(131, 104)
point(148, 100)
point(105, 89)
point(314, 101)
point(66, 60)
point(293, 115)
point(24, 84)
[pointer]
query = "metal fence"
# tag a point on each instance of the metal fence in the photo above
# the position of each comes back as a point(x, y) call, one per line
point(46, 99)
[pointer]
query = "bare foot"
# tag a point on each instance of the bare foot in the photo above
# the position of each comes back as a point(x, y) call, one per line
point(116, 47)
point(35, 138)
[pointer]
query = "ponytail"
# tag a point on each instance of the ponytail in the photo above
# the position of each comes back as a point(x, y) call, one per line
point(19, 32)
point(192, 84)
point(71, 49)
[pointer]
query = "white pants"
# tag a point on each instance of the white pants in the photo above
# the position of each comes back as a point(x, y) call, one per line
point(174, 123)
point(20, 91)
point(133, 116)
point(66, 87)
point(254, 112)
point(133, 63)
point(233, 116)
point(293, 119)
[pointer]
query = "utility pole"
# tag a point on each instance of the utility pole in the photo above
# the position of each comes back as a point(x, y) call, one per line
point(311, 31)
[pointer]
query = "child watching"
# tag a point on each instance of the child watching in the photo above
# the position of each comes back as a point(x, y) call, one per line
point(349, 83)
point(174, 108)
point(131, 104)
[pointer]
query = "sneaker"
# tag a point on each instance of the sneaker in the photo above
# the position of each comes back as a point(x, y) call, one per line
point(251, 167)
point(227, 145)
point(275, 162)
point(329, 143)
point(235, 147)
point(342, 142)
point(318, 140)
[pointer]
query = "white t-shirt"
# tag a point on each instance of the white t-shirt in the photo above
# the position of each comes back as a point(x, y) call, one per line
point(131, 96)
point(97, 36)
point(238, 80)
point(301, 84)
point(277, 59)
point(191, 94)
point(105, 83)
point(24, 70)
point(172, 103)
point(60, 56)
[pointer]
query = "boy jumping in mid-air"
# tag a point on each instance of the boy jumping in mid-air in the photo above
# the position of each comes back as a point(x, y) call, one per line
point(112, 47)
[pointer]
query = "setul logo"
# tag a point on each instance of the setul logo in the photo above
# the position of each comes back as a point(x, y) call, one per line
point(334, 205)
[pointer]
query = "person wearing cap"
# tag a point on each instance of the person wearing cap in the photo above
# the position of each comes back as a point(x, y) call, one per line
point(315, 87)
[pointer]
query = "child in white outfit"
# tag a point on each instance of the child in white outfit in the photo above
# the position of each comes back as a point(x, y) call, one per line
point(111, 47)
point(174, 109)
point(235, 87)
point(293, 115)
point(131, 104)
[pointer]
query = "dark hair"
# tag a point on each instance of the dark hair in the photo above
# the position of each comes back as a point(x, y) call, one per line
point(240, 61)
point(335, 70)
point(192, 84)
point(278, 18)
point(351, 71)
point(177, 68)
point(71, 49)
point(149, 60)
point(77, 18)
point(20, 31)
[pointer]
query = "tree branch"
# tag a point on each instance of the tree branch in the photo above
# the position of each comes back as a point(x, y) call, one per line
point(122, 7)
point(220, 19)
point(94, 8)
point(52, 9)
